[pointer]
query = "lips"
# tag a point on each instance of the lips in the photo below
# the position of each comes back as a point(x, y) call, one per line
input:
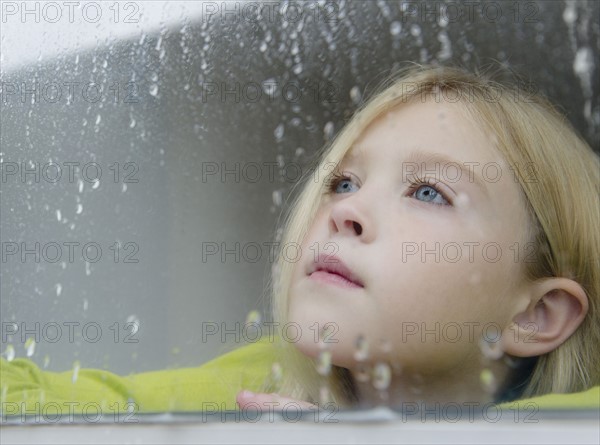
point(331, 268)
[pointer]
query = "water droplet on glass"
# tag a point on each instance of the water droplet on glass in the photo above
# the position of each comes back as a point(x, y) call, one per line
point(85, 304)
point(297, 68)
point(362, 348)
point(382, 376)
point(30, 347)
point(58, 215)
point(96, 184)
point(135, 326)
point(79, 209)
point(88, 268)
point(324, 363)
point(270, 87)
point(584, 61)
point(415, 30)
point(279, 131)
point(253, 317)
point(58, 289)
point(294, 49)
point(80, 186)
point(385, 346)
point(355, 95)
point(395, 28)
point(76, 368)
point(328, 130)
point(277, 198)
point(10, 353)
point(475, 278)
point(98, 119)
point(445, 52)
point(324, 395)
point(443, 20)
point(462, 200)
point(570, 14)
point(124, 187)
point(153, 90)
point(512, 363)
point(488, 381)
point(46, 361)
point(491, 349)
point(362, 373)
point(276, 372)
point(263, 47)
point(132, 123)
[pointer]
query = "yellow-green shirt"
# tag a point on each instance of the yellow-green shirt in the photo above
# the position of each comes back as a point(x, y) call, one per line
point(210, 387)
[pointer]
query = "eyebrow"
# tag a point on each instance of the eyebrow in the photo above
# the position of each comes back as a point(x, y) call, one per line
point(429, 158)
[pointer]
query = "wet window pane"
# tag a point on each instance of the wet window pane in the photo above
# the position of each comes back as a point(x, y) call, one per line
point(150, 149)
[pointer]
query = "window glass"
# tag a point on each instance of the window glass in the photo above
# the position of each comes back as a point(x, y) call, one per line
point(148, 150)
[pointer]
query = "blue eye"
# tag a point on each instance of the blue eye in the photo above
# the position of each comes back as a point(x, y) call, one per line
point(426, 192)
point(421, 189)
point(339, 183)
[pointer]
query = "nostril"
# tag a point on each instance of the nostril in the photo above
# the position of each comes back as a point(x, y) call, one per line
point(357, 228)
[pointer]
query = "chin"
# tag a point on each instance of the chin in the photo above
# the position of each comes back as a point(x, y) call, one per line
point(308, 348)
point(339, 355)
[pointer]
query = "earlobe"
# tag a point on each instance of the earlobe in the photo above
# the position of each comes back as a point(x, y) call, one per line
point(557, 308)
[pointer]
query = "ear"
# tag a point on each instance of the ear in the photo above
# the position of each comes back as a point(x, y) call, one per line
point(557, 308)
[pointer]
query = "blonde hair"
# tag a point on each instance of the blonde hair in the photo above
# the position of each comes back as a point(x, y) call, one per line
point(559, 176)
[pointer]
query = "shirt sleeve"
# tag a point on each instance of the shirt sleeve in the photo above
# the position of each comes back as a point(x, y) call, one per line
point(589, 399)
point(211, 387)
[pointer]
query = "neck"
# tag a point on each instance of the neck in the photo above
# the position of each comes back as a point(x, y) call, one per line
point(407, 390)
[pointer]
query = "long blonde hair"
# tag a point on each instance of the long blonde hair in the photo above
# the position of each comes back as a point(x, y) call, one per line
point(559, 176)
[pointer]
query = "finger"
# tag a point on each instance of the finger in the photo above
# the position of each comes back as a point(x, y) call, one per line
point(247, 399)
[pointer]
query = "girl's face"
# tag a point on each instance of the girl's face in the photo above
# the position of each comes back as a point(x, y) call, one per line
point(429, 219)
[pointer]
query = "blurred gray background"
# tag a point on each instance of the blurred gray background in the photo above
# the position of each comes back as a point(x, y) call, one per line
point(172, 100)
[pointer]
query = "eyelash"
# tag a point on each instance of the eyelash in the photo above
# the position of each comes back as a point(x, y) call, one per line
point(415, 182)
point(333, 181)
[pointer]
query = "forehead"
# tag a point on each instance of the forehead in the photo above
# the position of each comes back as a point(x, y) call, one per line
point(442, 128)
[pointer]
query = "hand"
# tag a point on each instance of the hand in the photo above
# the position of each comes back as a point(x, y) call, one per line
point(270, 401)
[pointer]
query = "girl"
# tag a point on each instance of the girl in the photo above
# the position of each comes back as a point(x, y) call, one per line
point(450, 251)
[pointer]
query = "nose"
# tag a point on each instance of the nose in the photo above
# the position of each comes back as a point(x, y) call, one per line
point(349, 217)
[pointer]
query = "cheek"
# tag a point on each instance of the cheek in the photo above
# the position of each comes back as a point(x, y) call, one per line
point(437, 297)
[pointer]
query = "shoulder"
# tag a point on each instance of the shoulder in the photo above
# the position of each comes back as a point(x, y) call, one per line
point(586, 400)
